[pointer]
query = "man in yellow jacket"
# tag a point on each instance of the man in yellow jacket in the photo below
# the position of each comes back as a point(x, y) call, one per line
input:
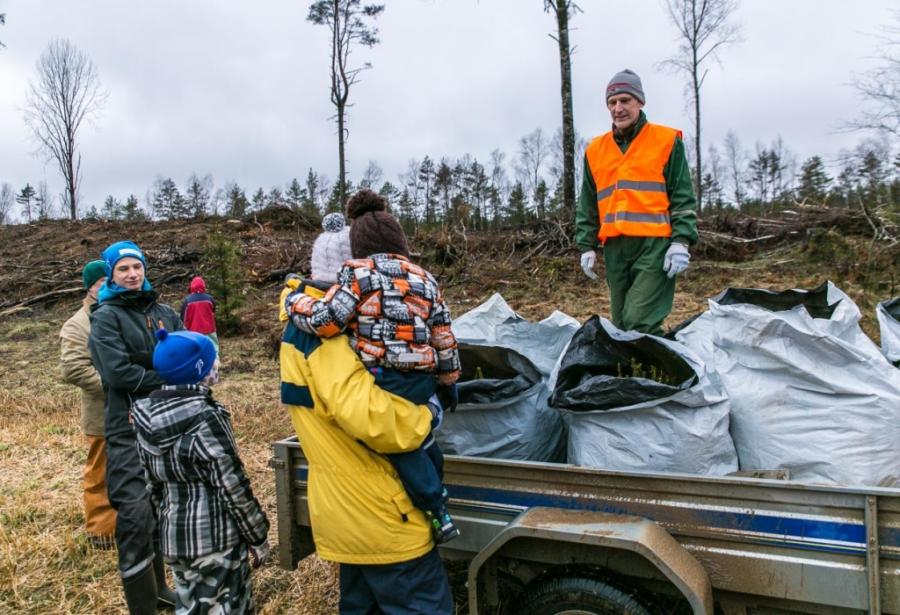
point(360, 514)
point(77, 369)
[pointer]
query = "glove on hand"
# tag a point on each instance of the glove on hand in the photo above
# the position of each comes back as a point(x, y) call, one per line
point(449, 397)
point(259, 554)
point(588, 260)
point(144, 359)
point(677, 259)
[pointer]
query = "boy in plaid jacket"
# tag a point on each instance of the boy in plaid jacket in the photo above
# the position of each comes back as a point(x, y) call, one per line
point(399, 325)
point(210, 523)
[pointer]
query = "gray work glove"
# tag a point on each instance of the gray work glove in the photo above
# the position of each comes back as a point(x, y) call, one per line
point(677, 259)
point(588, 260)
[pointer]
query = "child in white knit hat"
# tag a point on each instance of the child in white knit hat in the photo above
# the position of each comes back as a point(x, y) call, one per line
point(331, 249)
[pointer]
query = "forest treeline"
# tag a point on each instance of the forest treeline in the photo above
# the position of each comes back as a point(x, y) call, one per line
point(504, 191)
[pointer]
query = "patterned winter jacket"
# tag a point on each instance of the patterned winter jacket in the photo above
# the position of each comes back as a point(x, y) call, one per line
point(395, 313)
point(195, 478)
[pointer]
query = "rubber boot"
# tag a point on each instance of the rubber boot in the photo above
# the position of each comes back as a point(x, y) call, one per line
point(140, 592)
point(165, 596)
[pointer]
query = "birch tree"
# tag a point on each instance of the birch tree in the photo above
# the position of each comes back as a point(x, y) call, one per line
point(704, 27)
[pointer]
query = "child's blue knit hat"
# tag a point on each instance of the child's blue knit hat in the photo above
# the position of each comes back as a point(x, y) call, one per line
point(183, 357)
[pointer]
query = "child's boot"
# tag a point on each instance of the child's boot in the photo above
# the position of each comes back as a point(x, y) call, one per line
point(442, 526)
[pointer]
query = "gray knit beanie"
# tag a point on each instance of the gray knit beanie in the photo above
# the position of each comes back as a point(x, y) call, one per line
point(626, 82)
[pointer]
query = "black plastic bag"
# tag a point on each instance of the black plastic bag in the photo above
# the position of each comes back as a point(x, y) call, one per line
point(598, 372)
point(491, 374)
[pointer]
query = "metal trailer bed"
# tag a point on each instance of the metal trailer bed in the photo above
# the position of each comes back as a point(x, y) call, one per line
point(723, 544)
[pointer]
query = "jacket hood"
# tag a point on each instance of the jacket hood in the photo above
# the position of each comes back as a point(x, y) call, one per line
point(198, 285)
point(169, 413)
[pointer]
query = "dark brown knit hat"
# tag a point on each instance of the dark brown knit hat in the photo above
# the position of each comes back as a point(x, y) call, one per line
point(373, 230)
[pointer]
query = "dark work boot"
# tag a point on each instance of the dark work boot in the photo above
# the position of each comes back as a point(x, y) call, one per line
point(140, 592)
point(165, 596)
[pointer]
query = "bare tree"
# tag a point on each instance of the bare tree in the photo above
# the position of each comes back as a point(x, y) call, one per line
point(736, 157)
point(347, 21)
point(43, 202)
point(7, 198)
point(372, 176)
point(563, 10)
point(2, 22)
point(534, 149)
point(880, 87)
point(703, 26)
point(67, 92)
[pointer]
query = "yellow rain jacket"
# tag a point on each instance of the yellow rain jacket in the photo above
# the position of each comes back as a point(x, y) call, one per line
point(359, 511)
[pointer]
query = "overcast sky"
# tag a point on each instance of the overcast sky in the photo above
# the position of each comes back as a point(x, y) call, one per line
point(239, 89)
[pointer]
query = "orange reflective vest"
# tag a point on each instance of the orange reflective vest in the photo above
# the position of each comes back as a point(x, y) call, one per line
point(631, 188)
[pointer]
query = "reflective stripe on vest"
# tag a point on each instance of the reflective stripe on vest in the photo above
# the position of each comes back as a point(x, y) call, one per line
point(633, 200)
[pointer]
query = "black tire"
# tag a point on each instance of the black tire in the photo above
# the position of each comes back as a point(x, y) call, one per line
point(577, 596)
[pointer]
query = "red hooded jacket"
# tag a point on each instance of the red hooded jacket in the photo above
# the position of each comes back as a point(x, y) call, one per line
point(198, 311)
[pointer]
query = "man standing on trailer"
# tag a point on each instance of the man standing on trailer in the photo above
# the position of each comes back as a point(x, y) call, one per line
point(637, 204)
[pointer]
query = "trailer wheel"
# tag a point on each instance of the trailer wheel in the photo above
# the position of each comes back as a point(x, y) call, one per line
point(577, 596)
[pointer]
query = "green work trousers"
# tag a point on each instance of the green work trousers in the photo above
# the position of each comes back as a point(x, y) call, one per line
point(640, 292)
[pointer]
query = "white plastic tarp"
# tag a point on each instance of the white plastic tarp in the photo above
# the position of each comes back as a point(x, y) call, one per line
point(685, 431)
point(522, 426)
point(811, 395)
point(888, 313)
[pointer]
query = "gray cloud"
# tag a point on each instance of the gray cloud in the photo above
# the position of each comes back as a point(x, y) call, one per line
point(240, 90)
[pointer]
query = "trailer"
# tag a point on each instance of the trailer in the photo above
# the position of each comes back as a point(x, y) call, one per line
point(551, 539)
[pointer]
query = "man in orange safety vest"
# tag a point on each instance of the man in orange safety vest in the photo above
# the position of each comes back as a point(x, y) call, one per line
point(637, 204)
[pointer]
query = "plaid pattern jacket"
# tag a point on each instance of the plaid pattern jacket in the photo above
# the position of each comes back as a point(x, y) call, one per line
point(194, 476)
point(394, 310)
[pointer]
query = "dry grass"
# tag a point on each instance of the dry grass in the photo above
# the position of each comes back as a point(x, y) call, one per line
point(47, 566)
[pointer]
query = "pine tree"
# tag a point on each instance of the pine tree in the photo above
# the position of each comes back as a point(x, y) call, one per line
point(132, 211)
point(814, 181)
point(258, 200)
point(197, 195)
point(112, 209)
point(275, 197)
point(237, 201)
point(310, 202)
point(335, 199)
point(541, 194)
point(25, 198)
point(167, 201)
point(515, 207)
point(221, 266)
point(295, 195)
point(426, 174)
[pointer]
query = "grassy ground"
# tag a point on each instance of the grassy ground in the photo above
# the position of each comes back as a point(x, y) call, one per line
point(46, 565)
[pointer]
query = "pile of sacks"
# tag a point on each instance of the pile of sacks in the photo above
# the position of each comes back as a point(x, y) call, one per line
point(809, 391)
point(761, 381)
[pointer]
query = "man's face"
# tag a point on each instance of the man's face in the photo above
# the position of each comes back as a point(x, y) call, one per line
point(624, 110)
point(129, 273)
point(93, 290)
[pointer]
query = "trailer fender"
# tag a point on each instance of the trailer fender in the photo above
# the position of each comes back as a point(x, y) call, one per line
point(611, 531)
